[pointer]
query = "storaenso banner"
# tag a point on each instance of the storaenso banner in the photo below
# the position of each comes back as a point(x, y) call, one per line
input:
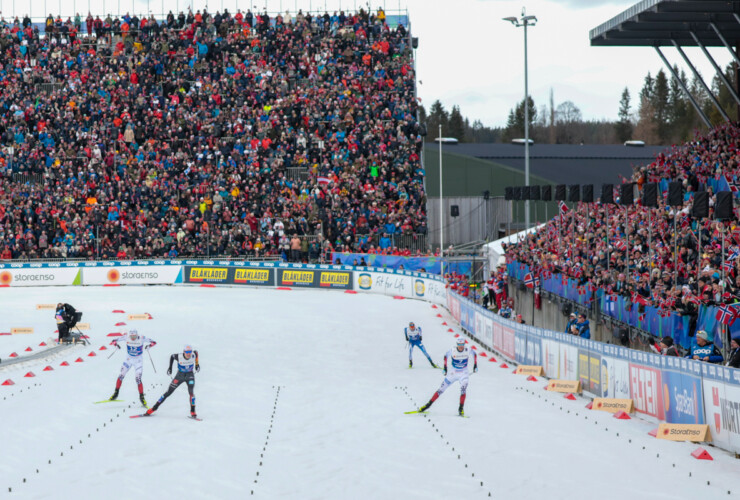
point(229, 275)
point(310, 278)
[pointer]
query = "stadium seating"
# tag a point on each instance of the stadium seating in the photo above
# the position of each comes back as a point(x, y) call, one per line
point(207, 134)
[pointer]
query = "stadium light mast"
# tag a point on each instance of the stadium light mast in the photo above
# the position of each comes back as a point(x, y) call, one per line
point(441, 211)
point(525, 21)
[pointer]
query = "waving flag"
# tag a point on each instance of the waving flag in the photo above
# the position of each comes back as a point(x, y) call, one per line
point(726, 314)
point(639, 299)
point(528, 280)
point(620, 245)
point(563, 209)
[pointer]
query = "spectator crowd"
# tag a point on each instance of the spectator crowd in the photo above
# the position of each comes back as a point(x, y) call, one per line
point(636, 253)
point(207, 134)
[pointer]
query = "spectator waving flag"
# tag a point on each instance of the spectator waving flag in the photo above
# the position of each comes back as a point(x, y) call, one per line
point(726, 314)
point(728, 267)
point(563, 208)
point(528, 280)
point(734, 253)
point(639, 299)
point(621, 245)
point(323, 180)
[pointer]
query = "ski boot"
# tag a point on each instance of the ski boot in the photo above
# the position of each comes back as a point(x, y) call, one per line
point(425, 407)
point(411, 364)
point(143, 401)
point(153, 408)
point(193, 414)
point(114, 396)
point(432, 363)
point(460, 411)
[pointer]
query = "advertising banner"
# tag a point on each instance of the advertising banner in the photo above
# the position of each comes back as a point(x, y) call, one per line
point(206, 274)
point(428, 289)
point(615, 378)
point(40, 277)
point(254, 277)
point(388, 284)
point(568, 362)
point(682, 392)
point(520, 346)
point(551, 358)
point(645, 388)
point(311, 278)
point(508, 348)
point(684, 432)
point(722, 404)
point(534, 350)
point(150, 275)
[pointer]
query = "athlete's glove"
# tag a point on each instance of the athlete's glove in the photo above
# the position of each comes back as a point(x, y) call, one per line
point(169, 371)
point(444, 370)
point(475, 368)
point(117, 346)
point(407, 338)
point(151, 345)
point(197, 368)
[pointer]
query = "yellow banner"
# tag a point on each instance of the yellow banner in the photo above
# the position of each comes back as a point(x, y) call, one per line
point(530, 370)
point(16, 331)
point(684, 432)
point(46, 306)
point(83, 326)
point(138, 316)
point(613, 405)
point(565, 386)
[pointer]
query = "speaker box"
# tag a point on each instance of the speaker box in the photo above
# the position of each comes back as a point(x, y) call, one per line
point(650, 195)
point(574, 192)
point(675, 194)
point(588, 193)
point(626, 194)
point(723, 208)
point(560, 192)
point(517, 193)
point(454, 210)
point(508, 193)
point(546, 193)
point(607, 193)
point(700, 207)
point(525, 193)
point(534, 193)
point(415, 42)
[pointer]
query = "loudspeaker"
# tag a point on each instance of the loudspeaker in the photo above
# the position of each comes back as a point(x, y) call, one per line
point(700, 208)
point(525, 192)
point(546, 193)
point(508, 193)
point(607, 193)
point(626, 194)
point(723, 207)
point(574, 192)
point(454, 210)
point(588, 193)
point(560, 192)
point(415, 42)
point(534, 193)
point(650, 195)
point(517, 193)
point(486, 195)
point(675, 194)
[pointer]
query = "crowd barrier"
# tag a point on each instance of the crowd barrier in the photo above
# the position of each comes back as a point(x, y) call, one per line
point(428, 264)
point(651, 319)
point(406, 284)
point(670, 389)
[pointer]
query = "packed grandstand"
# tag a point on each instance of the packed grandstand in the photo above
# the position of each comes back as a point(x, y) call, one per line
point(208, 135)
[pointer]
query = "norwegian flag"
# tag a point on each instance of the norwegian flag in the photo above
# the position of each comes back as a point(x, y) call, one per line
point(726, 314)
point(528, 280)
point(563, 209)
point(581, 290)
point(729, 267)
point(639, 299)
point(641, 317)
point(694, 300)
point(537, 281)
point(734, 187)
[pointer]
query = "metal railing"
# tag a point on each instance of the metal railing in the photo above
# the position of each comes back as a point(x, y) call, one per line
point(413, 242)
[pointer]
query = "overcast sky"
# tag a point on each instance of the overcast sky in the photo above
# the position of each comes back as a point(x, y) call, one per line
point(468, 56)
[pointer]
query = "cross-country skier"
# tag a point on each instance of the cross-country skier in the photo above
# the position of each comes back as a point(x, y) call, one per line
point(413, 337)
point(187, 365)
point(135, 345)
point(459, 357)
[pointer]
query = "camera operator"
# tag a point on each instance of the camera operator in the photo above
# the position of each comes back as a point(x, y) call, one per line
point(66, 317)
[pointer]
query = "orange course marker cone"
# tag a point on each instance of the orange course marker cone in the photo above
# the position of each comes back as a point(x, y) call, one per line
point(621, 415)
point(701, 454)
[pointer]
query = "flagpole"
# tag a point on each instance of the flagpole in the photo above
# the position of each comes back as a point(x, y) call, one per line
point(698, 257)
point(608, 258)
point(675, 251)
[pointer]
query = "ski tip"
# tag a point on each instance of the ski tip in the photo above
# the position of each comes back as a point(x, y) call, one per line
point(195, 418)
point(142, 415)
point(109, 401)
point(415, 411)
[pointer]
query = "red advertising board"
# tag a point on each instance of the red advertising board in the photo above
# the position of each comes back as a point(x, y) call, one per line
point(509, 340)
point(645, 387)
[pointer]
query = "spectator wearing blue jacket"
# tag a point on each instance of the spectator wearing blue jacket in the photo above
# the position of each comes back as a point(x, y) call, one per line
point(704, 350)
point(572, 321)
point(583, 327)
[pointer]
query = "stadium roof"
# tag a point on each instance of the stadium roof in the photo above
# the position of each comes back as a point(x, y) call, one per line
point(563, 163)
point(653, 23)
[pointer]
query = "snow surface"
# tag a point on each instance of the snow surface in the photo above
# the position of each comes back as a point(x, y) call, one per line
point(302, 395)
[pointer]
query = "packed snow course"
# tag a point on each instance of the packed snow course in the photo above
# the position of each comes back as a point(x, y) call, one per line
point(302, 395)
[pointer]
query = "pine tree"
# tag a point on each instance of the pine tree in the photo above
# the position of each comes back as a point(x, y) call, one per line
point(456, 125)
point(437, 116)
point(623, 127)
point(659, 102)
point(515, 123)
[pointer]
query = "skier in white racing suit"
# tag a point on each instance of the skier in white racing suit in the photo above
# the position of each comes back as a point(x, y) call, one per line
point(135, 345)
point(459, 358)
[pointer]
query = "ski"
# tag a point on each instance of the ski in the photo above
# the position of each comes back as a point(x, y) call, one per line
point(195, 418)
point(142, 415)
point(415, 411)
point(109, 401)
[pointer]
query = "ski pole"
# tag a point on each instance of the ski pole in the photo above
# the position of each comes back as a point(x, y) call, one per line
point(82, 336)
point(150, 359)
point(111, 354)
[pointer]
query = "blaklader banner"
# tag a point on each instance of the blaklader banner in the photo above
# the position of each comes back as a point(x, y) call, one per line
point(315, 278)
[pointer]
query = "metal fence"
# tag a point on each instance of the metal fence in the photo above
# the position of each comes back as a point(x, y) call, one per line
point(28, 178)
point(416, 242)
point(297, 174)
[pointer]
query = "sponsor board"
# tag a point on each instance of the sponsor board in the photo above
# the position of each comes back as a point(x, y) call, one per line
point(696, 433)
point(551, 358)
point(565, 386)
point(507, 342)
point(310, 278)
point(645, 389)
point(22, 330)
point(141, 275)
point(530, 370)
point(615, 378)
point(204, 274)
point(139, 316)
point(256, 277)
point(722, 412)
point(613, 405)
point(335, 279)
point(82, 326)
point(568, 362)
point(534, 350)
point(46, 306)
point(682, 398)
point(40, 277)
point(296, 277)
